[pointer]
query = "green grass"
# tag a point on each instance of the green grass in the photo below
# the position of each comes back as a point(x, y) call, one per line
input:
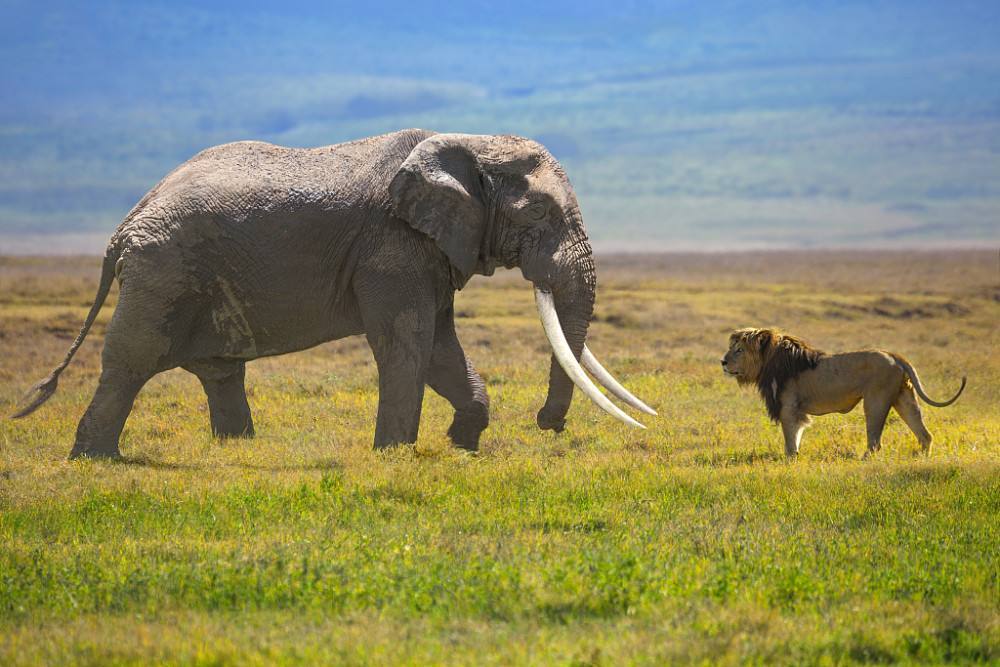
point(691, 542)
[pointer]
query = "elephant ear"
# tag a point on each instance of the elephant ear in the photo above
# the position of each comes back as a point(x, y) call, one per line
point(437, 190)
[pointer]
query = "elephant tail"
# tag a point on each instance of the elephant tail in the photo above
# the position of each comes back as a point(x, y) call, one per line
point(43, 391)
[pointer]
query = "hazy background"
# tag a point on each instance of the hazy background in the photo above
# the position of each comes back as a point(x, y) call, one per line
point(682, 124)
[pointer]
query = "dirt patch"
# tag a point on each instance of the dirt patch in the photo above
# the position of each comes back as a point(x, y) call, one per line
point(896, 309)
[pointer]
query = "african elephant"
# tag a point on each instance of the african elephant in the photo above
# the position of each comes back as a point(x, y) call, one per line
point(250, 249)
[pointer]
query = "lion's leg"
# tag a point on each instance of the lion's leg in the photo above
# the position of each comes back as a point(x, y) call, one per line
point(793, 424)
point(876, 412)
point(909, 409)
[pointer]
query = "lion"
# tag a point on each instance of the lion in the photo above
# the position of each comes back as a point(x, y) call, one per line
point(797, 381)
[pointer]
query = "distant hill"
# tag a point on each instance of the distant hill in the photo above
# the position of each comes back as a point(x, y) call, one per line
point(691, 124)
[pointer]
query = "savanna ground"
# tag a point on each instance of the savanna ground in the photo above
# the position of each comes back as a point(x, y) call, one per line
point(693, 541)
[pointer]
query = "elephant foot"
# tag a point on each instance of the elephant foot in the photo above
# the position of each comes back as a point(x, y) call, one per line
point(84, 452)
point(388, 446)
point(467, 426)
point(241, 430)
point(464, 437)
point(547, 421)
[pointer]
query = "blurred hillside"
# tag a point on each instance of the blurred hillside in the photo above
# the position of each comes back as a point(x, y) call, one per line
point(684, 124)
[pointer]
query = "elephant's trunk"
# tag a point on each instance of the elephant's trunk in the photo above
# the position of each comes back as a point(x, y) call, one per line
point(566, 308)
point(568, 367)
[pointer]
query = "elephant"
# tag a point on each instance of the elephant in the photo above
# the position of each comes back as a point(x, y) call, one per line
point(250, 249)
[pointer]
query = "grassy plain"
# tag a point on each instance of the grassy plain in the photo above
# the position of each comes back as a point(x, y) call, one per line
point(690, 542)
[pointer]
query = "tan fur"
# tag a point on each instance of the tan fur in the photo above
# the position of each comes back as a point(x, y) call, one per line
point(797, 381)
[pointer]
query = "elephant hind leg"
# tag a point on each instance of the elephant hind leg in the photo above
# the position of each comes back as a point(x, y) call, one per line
point(101, 425)
point(223, 382)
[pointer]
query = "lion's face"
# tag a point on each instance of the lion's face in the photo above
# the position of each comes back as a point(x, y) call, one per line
point(743, 359)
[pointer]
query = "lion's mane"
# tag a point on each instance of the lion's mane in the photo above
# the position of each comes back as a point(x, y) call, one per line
point(778, 358)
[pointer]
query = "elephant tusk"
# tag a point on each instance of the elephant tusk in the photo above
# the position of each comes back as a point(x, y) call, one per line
point(602, 375)
point(564, 355)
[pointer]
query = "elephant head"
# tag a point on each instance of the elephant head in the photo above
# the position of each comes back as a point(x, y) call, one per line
point(505, 200)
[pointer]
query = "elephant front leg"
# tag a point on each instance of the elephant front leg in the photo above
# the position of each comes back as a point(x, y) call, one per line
point(398, 310)
point(453, 377)
point(402, 357)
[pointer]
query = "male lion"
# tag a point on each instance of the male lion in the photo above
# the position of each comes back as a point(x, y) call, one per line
point(797, 381)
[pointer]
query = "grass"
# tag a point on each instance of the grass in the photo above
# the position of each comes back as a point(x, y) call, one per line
point(691, 542)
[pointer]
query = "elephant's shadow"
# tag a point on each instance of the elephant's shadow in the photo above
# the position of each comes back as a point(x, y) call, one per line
point(142, 461)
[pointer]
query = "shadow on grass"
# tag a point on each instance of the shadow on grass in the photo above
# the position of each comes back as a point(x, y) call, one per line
point(146, 462)
point(320, 465)
point(737, 458)
point(728, 458)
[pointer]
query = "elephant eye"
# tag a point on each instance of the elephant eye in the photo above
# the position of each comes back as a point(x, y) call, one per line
point(536, 211)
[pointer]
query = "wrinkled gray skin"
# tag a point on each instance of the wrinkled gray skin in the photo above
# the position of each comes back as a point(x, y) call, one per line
point(250, 250)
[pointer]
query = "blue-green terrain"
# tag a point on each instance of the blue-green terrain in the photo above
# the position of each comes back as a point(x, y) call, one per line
point(682, 124)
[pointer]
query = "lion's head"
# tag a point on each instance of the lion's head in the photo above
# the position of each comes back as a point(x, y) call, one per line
point(767, 358)
point(745, 356)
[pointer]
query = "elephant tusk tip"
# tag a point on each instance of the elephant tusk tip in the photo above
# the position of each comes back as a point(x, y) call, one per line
point(634, 422)
point(591, 363)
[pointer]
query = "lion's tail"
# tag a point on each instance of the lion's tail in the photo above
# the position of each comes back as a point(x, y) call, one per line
point(912, 373)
